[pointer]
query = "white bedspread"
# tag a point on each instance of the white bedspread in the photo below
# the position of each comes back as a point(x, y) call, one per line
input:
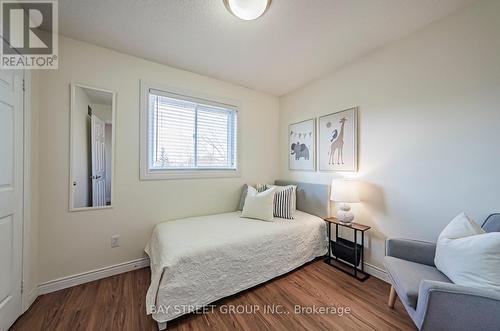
point(196, 261)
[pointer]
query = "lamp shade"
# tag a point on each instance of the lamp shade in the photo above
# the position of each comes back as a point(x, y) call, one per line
point(344, 190)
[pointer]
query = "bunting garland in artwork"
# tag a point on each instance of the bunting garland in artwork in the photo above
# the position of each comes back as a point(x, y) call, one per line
point(300, 134)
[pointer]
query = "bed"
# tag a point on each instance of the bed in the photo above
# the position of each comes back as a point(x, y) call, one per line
point(196, 261)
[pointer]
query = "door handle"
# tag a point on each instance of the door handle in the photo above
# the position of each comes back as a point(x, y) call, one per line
point(95, 177)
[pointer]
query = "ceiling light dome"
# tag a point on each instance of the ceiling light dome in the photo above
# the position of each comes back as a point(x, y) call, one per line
point(247, 9)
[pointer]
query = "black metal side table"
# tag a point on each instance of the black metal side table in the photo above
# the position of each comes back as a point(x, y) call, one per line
point(348, 256)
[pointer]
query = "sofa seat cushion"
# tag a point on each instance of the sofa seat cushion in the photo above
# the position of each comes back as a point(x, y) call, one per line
point(406, 277)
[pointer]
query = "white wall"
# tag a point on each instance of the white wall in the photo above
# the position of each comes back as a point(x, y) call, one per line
point(76, 242)
point(429, 126)
point(428, 142)
point(82, 149)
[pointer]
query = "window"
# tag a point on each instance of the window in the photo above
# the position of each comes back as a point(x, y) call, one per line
point(189, 136)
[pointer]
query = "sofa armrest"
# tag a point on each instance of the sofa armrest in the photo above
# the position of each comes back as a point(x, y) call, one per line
point(422, 252)
point(453, 307)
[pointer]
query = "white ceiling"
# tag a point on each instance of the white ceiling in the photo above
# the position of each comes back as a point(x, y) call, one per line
point(295, 42)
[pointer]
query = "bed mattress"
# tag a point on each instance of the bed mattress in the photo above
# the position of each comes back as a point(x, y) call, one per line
point(196, 261)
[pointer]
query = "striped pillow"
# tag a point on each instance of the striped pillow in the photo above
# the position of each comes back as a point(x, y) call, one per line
point(283, 203)
point(261, 188)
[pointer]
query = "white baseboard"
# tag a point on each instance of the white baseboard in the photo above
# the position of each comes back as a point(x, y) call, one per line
point(376, 272)
point(90, 276)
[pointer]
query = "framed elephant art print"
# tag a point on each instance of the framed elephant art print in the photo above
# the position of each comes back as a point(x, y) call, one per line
point(338, 141)
point(302, 145)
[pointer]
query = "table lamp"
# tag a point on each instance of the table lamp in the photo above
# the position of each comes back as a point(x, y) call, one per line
point(346, 192)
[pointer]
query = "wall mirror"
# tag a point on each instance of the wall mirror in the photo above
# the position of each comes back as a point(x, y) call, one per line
point(92, 144)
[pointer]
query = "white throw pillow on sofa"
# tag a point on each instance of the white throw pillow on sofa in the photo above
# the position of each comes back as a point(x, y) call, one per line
point(468, 255)
point(259, 205)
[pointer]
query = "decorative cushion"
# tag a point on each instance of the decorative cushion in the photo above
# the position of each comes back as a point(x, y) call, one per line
point(492, 223)
point(259, 205)
point(468, 255)
point(242, 197)
point(259, 187)
point(294, 194)
point(283, 203)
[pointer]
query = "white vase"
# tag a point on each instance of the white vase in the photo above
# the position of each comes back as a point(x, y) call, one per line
point(344, 214)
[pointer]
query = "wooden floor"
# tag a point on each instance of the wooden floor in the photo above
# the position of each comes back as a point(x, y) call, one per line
point(118, 303)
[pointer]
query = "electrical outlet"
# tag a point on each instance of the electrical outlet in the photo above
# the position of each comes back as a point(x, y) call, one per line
point(115, 241)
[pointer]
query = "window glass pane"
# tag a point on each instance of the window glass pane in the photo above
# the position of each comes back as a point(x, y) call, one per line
point(213, 137)
point(187, 134)
point(172, 136)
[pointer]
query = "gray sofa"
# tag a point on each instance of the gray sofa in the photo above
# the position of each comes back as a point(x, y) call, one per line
point(432, 300)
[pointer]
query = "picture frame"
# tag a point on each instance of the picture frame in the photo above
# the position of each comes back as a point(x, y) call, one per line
point(338, 141)
point(302, 145)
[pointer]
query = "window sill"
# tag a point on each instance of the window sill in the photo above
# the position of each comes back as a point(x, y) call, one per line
point(188, 174)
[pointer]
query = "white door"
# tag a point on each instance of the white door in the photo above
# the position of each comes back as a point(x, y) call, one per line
point(11, 195)
point(98, 162)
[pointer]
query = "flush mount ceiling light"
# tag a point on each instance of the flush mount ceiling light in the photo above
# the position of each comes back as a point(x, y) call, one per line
point(247, 9)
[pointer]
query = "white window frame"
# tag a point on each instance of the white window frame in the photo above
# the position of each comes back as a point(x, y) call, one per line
point(160, 174)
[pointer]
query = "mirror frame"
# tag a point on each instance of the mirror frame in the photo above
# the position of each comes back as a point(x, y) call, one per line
point(73, 87)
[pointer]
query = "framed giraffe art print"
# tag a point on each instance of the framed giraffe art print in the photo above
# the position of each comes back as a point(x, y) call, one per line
point(338, 141)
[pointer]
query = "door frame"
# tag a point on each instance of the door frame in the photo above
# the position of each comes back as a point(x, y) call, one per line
point(28, 296)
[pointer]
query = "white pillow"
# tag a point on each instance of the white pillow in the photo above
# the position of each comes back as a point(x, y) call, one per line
point(259, 187)
point(468, 255)
point(259, 205)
